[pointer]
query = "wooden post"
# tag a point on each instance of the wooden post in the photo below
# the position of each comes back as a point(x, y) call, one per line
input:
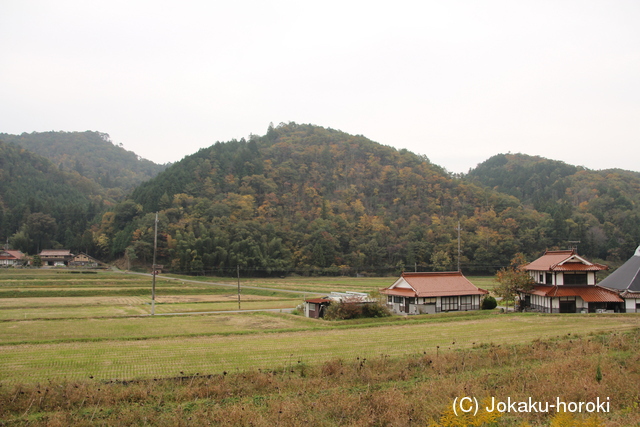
point(238, 271)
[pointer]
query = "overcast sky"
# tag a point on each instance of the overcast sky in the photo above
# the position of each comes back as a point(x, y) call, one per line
point(458, 81)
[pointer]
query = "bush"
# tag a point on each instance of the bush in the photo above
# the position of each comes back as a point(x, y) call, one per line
point(489, 303)
point(375, 309)
point(355, 310)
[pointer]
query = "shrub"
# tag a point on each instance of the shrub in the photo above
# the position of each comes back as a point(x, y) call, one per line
point(489, 303)
point(355, 310)
point(375, 309)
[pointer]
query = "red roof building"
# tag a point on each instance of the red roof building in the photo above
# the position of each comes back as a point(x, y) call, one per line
point(426, 293)
point(567, 283)
point(11, 258)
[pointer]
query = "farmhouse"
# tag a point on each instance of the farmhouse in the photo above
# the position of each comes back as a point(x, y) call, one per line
point(626, 282)
point(567, 283)
point(84, 260)
point(11, 258)
point(316, 307)
point(426, 293)
point(56, 257)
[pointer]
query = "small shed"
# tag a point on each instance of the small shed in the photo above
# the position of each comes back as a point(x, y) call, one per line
point(315, 307)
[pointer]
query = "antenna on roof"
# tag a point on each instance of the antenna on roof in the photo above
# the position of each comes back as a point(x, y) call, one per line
point(573, 245)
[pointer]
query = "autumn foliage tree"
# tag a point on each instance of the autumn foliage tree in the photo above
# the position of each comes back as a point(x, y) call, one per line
point(512, 279)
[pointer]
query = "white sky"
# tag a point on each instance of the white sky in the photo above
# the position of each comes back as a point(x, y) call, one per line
point(458, 81)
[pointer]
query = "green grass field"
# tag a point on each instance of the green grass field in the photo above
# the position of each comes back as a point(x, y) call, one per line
point(109, 334)
point(81, 339)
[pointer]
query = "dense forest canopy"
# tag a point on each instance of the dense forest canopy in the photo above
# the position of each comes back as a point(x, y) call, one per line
point(92, 155)
point(306, 198)
point(55, 185)
point(40, 205)
point(600, 209)
point(312, 200)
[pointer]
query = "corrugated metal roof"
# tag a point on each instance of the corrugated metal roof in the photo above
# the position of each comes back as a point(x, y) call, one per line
point(625, 278)
point(434, 285)
point(589, 293)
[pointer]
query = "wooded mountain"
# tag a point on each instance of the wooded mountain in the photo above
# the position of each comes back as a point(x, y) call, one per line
point(600, 209)
point(306, 198)
point(92, 155)
point(40, 205)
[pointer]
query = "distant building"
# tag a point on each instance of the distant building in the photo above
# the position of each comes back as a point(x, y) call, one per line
point(11, 258)
point(84, 260)
point(428, 293)
point(56, 257)
point(567, 283)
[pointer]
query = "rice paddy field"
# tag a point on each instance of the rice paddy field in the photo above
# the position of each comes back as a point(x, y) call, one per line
point(59, 326)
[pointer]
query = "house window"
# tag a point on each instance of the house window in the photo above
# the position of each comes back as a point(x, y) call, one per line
point(449, 303)
point(575, 278)
point(466, 302)
point(541, 279)
point(412, 300)
point(389, 299)
point(397, 300)
point(431, 300)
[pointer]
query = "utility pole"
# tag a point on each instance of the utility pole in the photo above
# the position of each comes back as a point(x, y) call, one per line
point(238, 271)
point(153, 273)
point(459, 229)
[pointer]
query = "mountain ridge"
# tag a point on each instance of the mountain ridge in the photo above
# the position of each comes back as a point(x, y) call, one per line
point(316, 200)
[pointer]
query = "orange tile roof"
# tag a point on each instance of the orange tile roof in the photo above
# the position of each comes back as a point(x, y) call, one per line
point(589, 293)
point(433, 285)
point(401, 292)
point(15, 253)
point(563, 261)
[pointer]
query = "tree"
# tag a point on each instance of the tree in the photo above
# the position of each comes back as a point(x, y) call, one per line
point(512, 279)
point(21, 241)
point(37, 261)
point(41, 228)
point(441, 261)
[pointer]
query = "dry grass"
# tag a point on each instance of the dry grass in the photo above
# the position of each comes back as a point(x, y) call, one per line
point(134, 350)
point(413, 390)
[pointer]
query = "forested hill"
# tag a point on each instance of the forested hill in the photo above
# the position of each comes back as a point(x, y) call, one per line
point(40, 205)
point(92, 155)
point(599, 208)
point(306, 198)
